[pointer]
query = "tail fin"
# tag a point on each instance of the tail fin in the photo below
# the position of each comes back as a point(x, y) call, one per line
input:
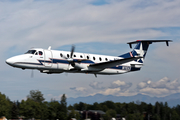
point(141, 48)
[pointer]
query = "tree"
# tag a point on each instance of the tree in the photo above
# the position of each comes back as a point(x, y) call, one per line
point(53, 108)
point(149, 108)
point(74, 114)
point(131, 107)
point(36, 96)
point(109, 114)
point(5, 106)
point(44, 110)
point(70, 107)
point(32, 109)
point(63, 108)
point(26, 108)
point(157, 108)
point(162, 111)
point(80, 106)
point(14, 111)
point(156, 117)
point(110, 104)
point(96, 106)
point(174, 116)
point(138, 116)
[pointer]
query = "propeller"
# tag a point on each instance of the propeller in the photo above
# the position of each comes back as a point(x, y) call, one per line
point(70, 58)
point(32, 73)
point(72, 51)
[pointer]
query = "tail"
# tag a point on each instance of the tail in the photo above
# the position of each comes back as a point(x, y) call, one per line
point(141, 49)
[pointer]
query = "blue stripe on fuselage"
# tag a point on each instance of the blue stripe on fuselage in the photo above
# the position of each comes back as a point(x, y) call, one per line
point(63, 61)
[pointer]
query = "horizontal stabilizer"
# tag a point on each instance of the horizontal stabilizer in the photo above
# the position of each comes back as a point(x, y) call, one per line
point(113, 63)
point(149, 42)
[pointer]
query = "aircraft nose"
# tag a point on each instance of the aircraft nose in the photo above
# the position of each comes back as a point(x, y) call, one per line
point(10, 61)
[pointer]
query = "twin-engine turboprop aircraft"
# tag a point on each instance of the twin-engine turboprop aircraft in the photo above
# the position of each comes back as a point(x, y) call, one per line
point(54, 61)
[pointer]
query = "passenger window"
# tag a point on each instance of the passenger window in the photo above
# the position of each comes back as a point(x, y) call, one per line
point(81, 56)
point(100, 58)
point(106, 59)
point(40, 53)
point(94, 58)
point(74, 55)
point(68, 55)
point(87, 57)
point(61, 54)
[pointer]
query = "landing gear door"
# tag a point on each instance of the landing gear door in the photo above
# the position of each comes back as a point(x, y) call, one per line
point(47, 58)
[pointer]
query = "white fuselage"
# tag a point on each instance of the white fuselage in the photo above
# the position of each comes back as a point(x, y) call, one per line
point(53, 61)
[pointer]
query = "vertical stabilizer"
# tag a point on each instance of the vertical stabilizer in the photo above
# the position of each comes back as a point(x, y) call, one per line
point(141, 48)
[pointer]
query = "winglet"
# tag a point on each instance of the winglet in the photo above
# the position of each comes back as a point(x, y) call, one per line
point(167, 43)
point(130, 45)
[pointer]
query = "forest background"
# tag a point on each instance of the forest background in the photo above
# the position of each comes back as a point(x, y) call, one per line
point(36, 107)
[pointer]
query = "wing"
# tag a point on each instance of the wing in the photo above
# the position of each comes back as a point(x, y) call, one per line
point(113, 63)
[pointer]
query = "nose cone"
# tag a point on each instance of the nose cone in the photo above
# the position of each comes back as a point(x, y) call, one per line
point(16, 60)
point(10, 61)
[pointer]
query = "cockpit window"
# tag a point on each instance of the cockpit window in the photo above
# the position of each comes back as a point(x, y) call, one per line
point(30, 52)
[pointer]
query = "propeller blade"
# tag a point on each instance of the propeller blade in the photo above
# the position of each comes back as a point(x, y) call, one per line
point(32, 73)
point(72, 51)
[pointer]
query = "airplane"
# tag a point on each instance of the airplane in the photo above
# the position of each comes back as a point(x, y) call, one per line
point(55, 61)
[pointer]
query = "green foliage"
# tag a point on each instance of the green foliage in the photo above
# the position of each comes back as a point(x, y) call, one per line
point(81, 106)
point(74, 114)
point(62, 109)
point(36, 107)
point(156, 117)
point(36, 96)
point(5, 106)
point(14, 110)
point(111, 113)
point(53, 109)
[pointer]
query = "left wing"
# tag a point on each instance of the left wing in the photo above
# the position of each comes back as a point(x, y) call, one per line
point(113, 63)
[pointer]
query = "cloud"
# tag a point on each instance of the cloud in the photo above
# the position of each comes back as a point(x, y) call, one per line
point(79, 89)
point(161, 83)
point(155, 91)
point(116, 88)
point(162, 87)
point(142, 85)
point(121, 84)
point(109, 91)
point(65, 22)
point(96, 85)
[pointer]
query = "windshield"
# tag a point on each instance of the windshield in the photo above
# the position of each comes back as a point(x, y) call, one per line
point(30, 52)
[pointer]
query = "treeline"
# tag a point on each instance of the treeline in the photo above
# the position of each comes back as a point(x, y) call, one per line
point(36, 107)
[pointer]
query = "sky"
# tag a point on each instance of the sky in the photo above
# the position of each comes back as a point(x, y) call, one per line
point(93, 26)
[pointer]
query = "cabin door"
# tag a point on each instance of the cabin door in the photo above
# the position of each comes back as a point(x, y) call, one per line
point(48, 58)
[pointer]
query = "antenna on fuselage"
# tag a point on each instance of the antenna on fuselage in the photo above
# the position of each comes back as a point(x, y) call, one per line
point(49, 48)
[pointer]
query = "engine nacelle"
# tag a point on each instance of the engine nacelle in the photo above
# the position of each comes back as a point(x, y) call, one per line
point(78, 66)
